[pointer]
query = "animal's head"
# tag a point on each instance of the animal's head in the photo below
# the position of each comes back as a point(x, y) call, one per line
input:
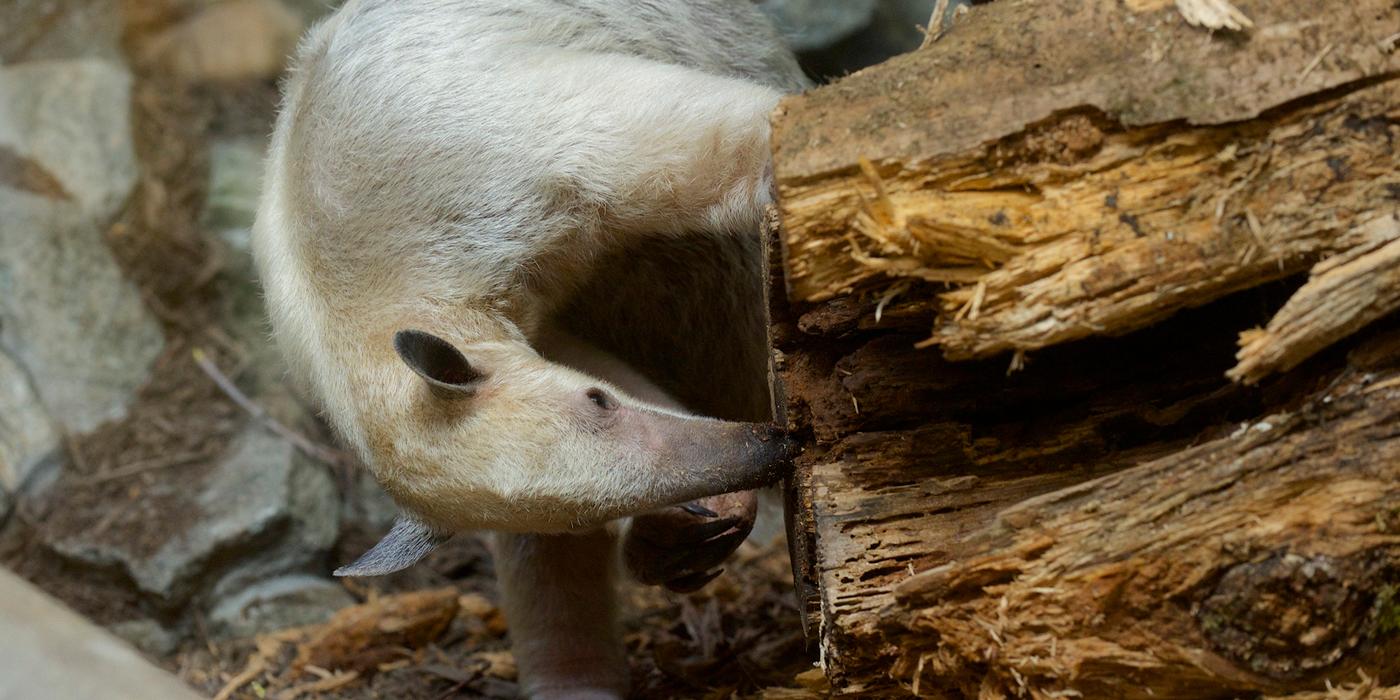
point(498, 437)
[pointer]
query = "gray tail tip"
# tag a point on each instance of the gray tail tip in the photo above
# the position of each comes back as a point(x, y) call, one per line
point(405, 545)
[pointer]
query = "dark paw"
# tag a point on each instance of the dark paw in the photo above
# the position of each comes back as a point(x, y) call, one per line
point(680, 547)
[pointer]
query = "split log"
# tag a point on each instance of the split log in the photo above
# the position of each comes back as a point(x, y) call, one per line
point(1344, 293)
point(1116, 198)
point(1265, 561)
point(1089, 168)
point(910, 454)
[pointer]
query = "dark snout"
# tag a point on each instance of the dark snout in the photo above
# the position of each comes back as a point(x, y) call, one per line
point(773, 443)
point(763, 455)
point(700, 457)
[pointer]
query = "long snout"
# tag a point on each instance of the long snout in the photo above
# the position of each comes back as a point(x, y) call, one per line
point(702, 457)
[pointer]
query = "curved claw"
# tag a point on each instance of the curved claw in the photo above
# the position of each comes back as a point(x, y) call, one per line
point(697, 509)
point(694, 582)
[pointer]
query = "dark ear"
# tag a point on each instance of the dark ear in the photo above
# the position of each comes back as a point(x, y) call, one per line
point(407, 543)
point(445, 369)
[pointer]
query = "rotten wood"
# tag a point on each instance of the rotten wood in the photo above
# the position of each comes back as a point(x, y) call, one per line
point(1344, 293)
point(1123, 194)
point(1267, 561)
point(908, 452)
point(1072, 168)
point(385, 628)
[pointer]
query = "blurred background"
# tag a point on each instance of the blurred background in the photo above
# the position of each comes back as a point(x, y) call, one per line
point(156, 473)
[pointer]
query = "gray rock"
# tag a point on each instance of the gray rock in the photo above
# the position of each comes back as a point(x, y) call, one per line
point(279, 603)
point(235, 179)
point(72, 118)
point(892, 27)
point(148, 636)
point(67, 167)
point(367, 506)
point(58, 29)
point(48, 651)
point(312, 10)
point(27, 435)
point(261, 512)
point(816, 24)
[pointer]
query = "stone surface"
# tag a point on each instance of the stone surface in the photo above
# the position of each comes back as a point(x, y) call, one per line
point(227, 41)
point(279, 603)
point(367, 507)
point(891, 28)
point(235, 180)
point(67, 167)
point(59, 29)
point(47, 651)
point(72, 118)
point(312, 10)
point(815, 24)
point(27, 435)
point(260, 512)
point(148, 636)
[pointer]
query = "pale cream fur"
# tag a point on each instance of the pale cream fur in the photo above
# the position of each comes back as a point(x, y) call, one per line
point(468, 168)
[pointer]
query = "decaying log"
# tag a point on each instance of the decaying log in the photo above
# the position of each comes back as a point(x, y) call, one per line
point(909, 453)
point(1115, 197)
point(1344, 293)
point(1089, 168)
point(1265, 561)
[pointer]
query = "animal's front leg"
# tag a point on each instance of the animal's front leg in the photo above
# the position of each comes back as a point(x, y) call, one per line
point(560, 602)
point(680, 547)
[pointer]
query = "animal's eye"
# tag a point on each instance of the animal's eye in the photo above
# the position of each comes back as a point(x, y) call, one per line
point(601, 399)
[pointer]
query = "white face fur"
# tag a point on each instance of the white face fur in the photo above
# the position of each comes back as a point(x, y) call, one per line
point(520, 443)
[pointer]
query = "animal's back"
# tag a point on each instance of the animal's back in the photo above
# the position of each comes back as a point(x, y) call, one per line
point(427, 157)
point(426, 130)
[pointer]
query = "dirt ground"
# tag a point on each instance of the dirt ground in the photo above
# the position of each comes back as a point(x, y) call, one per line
point(415, 638)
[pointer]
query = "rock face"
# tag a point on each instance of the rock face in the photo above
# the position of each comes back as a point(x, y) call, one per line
point(816, 24)
point(279, 603)
point(41, 30)
point(66, 168)
point(230, 40)
point(27, 436)
point(49, 652)
point(312, 10)
point(835, 37)
point(147, 635)
point(261, 512)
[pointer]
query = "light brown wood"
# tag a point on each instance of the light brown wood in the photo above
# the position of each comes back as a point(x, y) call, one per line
point(1123, 203)
point(1263, 561)
point(908, 453)
point(1344, 293)
point(1093, 171)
